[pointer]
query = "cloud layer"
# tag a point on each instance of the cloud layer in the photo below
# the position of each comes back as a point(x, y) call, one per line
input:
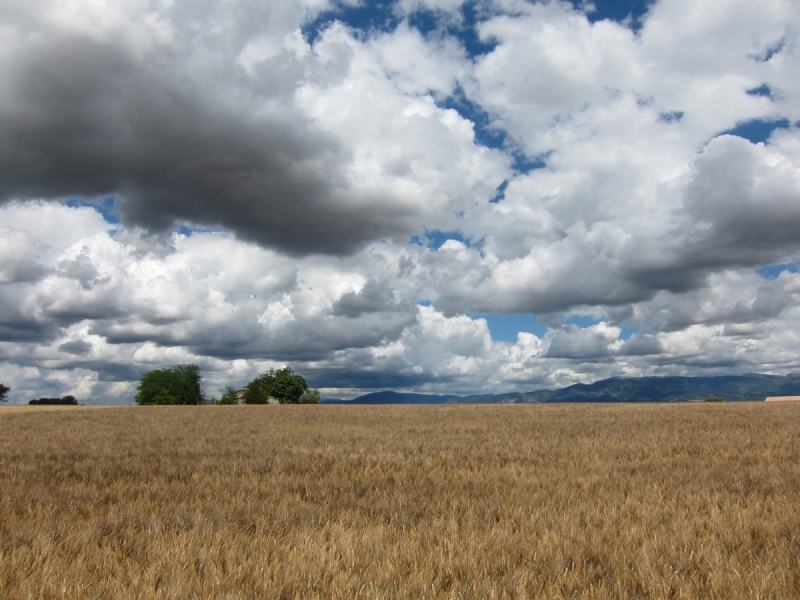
point(210, 183)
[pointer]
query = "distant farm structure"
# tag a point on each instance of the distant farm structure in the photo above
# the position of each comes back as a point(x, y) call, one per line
point(240, 397)
point(783, 399)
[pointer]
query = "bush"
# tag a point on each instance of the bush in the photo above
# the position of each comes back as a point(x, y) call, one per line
point(715, 399)
point(4, 389)
point(258, 390)
point(229, 397)
point(178, 385)
point(309, 397)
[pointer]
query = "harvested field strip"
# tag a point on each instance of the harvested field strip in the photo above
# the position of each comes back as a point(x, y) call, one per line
point(565, 501)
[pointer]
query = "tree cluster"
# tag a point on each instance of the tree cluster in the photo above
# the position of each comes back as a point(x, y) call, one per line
point(178, 385)
point(284, 385)
point(63, 401)
point(183, 385)
point(4, 389)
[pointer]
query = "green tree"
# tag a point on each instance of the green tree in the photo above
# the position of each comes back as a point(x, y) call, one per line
point(715, 399)
point(285, 385)
point(288, 387)
point(309, 397)
point(229, 397)
point(259, 390)
point(4, 392)
point(178, 385)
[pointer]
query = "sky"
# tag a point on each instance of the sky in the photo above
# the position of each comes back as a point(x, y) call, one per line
point(422, 195)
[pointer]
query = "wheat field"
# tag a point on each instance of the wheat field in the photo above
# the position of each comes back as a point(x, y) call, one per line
point(511, 501)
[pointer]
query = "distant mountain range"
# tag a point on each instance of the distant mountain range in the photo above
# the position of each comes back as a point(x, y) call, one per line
point(617, 389)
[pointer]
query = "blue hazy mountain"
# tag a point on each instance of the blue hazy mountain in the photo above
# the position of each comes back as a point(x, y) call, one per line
point(398, 398)
point(617, 389)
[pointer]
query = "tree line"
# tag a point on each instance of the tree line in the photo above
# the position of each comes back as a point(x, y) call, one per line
point(184, 385)
point(63, 401)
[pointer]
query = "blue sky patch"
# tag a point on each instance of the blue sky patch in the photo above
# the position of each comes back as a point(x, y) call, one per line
point(770, 51)
point(504, 328)
point(435, 238)
point(105, 208)
point(673, 116)
point(762, 90)
point(501, 192)
point(468, 34)
point(524, 164)
point(622, 11)
point(380, 16)
point(580, 320)
point(188, 230)
point(375, 15)
point(757, 130)
point(584, 321)
point(773, 271)
point(485, 133)
point(424, 21)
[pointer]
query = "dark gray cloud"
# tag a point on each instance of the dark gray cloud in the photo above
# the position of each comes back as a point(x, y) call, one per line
point(20, 269)
point(373, 297)
point(641, 345)
point(81, 268)
point(372, 377)
point(89, 119)
point(741, 208)
point(727, 301)
point(309, 338)
point(18, 258)
point(27, 330)
point(750, 331)
point(18, 322)
point(745, 204)
point(577, 343)
point(76, 347)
